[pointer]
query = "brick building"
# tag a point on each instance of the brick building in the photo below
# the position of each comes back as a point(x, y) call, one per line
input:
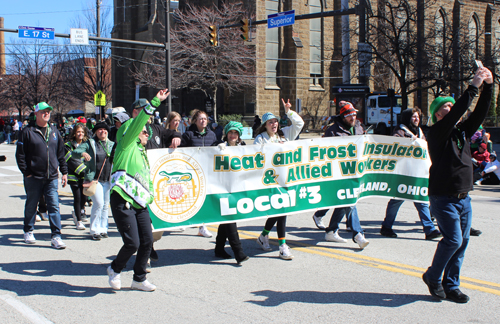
point(304, 61)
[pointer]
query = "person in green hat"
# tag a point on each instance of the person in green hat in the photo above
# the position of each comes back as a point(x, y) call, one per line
point(232, 137)
point(450, 180)
point(39, 155)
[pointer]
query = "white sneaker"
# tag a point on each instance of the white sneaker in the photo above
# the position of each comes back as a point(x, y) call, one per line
point(74, 218)
point(148, 266)
point(285, 253)
point(37, 218)
point(114, 279)
point(44, 216)
point(80, 226)
point(144, 285)
point(334, 237)
point(29, 238)
point(319, 222)
point(57, 243)
point(362, 242)
point(203, 231)
point(263, 241)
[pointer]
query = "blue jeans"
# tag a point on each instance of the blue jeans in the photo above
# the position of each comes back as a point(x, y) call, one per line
point(454, 219)
point(338, 213)
point(35, 188)
point(423, 212)
point(99, 213)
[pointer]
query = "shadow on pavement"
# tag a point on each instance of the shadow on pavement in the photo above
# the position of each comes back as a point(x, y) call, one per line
point(276, 298)
point(54, 268)
point(50, 288)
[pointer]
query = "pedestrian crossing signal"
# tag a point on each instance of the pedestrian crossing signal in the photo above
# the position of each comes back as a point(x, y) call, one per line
point(245, 28)
point(213, 36)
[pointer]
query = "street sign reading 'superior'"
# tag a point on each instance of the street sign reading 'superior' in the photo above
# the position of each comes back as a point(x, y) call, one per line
point(281, 19)
point(36, 32)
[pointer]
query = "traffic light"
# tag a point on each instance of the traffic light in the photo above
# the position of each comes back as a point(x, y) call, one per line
point(213, 36)
point(245, 28)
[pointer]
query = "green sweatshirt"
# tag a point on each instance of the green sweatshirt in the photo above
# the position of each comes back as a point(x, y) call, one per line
point(130, 175)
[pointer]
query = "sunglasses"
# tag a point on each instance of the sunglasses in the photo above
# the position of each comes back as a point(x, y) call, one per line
point(145, 132)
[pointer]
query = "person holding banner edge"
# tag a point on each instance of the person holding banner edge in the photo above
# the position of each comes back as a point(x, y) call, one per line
point(409, 128)
point(450, 180)
point(131, 193)
point(270, 132)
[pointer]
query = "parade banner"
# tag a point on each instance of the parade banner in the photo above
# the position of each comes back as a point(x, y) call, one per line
point(214, 185)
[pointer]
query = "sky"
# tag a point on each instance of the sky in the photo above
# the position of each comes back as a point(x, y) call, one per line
point(57, 14)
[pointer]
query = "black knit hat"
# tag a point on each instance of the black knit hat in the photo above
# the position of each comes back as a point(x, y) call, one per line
point(101, 125)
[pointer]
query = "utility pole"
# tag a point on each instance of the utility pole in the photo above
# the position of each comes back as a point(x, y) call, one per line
point(99, 55)
point(167, 55)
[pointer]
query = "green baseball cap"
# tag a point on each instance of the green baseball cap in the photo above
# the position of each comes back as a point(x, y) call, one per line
point(42, 106)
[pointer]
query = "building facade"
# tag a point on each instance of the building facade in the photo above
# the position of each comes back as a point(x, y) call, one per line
point(305, 61)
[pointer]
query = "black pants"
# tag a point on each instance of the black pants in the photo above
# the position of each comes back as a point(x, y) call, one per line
point(78, 198)
point(280, 222)
point(229, 232)
point(134, 226)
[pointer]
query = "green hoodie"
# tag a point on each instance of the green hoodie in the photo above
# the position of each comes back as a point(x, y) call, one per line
point(130, 175)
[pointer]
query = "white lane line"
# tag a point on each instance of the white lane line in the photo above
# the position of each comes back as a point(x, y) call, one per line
point(13, 182)
point(8, 175)
point(27, 312)
point(11, 168)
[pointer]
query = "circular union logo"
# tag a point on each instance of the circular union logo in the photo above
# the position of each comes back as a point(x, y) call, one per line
point(179, 187)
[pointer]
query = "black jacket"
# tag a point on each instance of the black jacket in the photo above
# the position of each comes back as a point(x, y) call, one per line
point(449, 145)
point(76, 166)
point(193, 138)
point(160, 137)
point(39, 157)
point(338, 128)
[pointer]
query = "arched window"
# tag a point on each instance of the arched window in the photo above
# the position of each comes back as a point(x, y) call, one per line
point(316, 44)
point(272, 45)
point(473, 37)
point(440, 35)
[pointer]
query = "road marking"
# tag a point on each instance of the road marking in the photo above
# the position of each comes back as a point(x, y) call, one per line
point(8, 175)
point(24, 310)
point(11, 168)
point(409, 270)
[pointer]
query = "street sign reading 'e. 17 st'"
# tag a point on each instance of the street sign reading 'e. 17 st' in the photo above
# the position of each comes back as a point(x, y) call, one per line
point(36, 32)
point(281, 19)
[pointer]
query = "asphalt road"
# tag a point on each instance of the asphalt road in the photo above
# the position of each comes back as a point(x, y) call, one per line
point(326, 282)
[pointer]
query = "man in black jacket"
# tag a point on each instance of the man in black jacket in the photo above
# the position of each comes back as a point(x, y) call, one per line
point(345, 124)
point(450, 180)
point(40, 152)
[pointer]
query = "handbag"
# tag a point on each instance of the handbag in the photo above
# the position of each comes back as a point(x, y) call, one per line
point(89, 187)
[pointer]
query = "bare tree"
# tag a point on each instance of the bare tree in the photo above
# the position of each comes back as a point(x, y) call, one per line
point(198, 65)
point(80, 61)
point(32, 75)
point(412, 62)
